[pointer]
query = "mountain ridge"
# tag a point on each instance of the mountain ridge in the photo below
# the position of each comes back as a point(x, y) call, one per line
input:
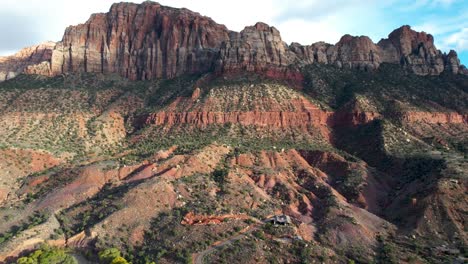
point(147, 41)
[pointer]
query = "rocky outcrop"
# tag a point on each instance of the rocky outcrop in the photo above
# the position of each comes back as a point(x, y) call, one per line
point(452, 64)
point(353, 118)
point(147, 41)
point(256, 49)
point(355, 52)
point(434, 118)
point(416, 51)
point(26, 60)
point(413, 50)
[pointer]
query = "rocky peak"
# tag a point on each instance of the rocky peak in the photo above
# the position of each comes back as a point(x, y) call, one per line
point(261, 26)
point(414, 50)
point(407, 40)
point(256, 48)
point(10, 66)
point(453, 64)
point(356, 52)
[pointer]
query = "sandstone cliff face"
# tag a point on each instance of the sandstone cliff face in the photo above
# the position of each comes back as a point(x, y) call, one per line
point(254, 49)
point(141, 42)
point(150, 41)
point(147, 41)
point(25, 60)
point(355, 52)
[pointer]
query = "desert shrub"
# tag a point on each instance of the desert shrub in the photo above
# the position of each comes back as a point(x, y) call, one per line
point(352, 184)
point(219, 175)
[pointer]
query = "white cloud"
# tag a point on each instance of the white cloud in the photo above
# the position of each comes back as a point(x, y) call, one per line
point(439, 25)
point(457, 41)
point(449, 32)
point(307, 32)
point(305, 21)
point(300, 22)
point(36, 21)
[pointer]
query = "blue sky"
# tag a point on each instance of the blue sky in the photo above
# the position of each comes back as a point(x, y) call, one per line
point(27, 22)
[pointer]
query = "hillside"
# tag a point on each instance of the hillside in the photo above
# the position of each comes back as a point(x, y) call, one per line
point(183, 154)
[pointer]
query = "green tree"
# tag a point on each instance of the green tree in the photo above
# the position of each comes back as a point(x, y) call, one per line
point(56, 256)
point(47, 255)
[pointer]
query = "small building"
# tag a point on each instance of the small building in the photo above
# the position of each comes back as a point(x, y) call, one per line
point(279, 220)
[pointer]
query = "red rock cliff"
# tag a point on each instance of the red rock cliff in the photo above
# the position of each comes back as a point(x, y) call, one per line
point(141, 42)
point(147, 41)
point(150, 41)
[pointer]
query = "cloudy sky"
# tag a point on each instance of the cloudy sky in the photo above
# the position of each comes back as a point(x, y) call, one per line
point(27, 22)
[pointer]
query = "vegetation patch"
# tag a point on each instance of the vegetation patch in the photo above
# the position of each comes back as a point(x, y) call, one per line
point(48, 255)
point(35, 219)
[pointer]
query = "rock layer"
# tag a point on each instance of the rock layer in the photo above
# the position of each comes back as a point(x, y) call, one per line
point(265, 119)
point(295, 119)
point(434, 118)
point(148, 41)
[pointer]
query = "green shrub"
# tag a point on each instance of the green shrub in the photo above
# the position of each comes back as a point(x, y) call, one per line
point(108, 255)
point(47, 255)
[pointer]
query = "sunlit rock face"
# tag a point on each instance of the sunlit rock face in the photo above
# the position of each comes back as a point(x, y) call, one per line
point(147, 41)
